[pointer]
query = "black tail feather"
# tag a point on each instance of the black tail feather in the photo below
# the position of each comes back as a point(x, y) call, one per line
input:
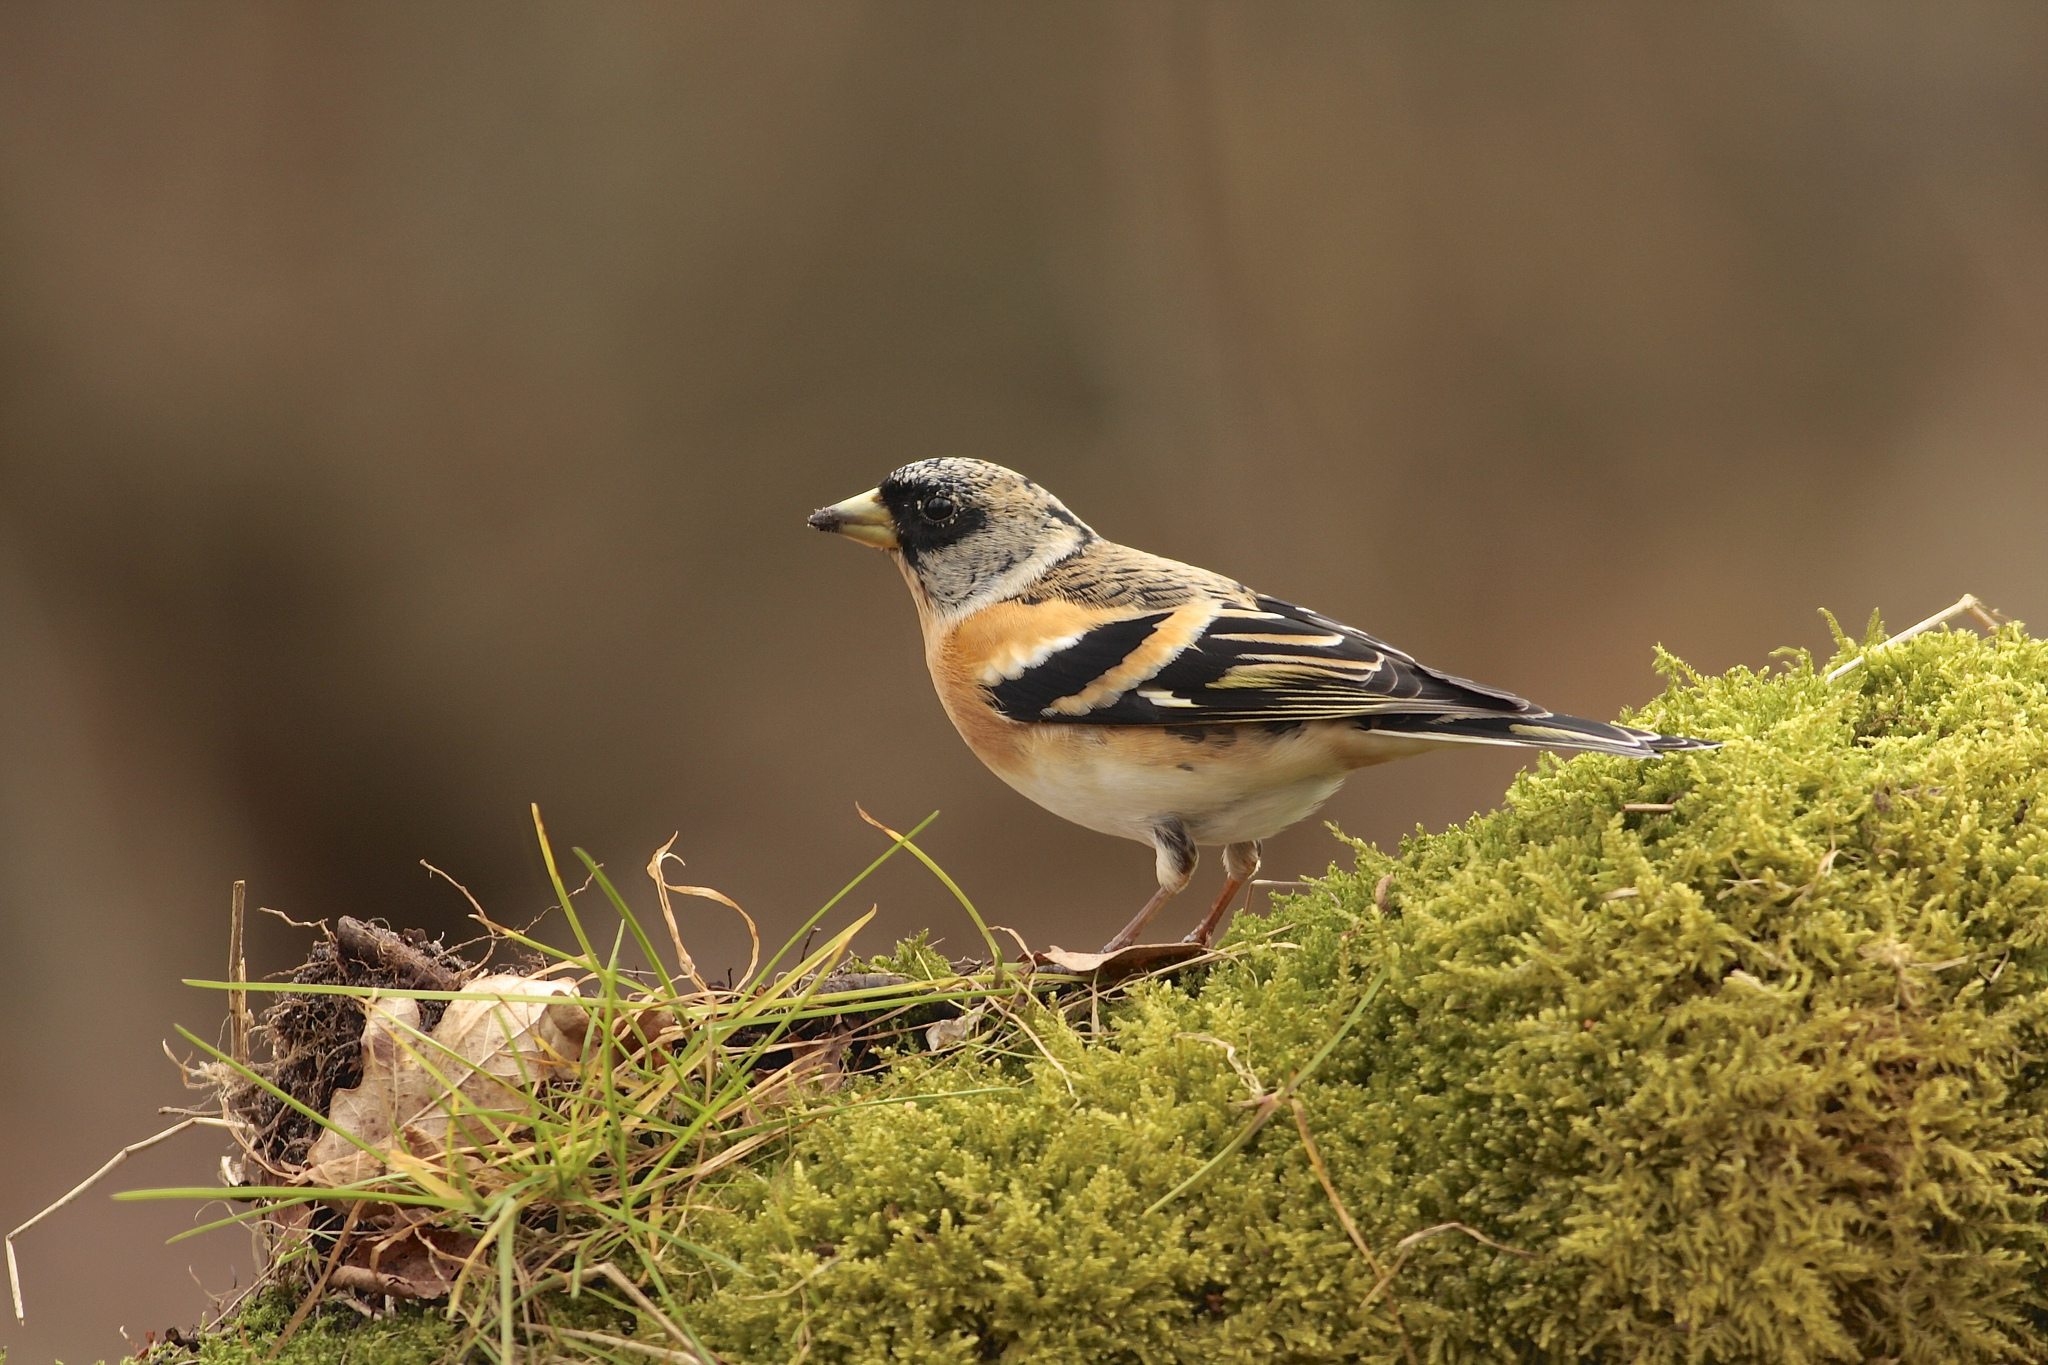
point(1540, 730)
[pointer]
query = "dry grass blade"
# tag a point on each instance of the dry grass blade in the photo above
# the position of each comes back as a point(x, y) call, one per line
point(1987, 616)
point(1315, 1161)
point(548, 1127)
point(663, 887)
point(238, 971)
point(1415, 1239)
point(618, 1343)
point(14, 1269)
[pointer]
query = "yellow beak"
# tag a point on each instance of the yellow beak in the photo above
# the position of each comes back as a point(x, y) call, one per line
point(864, 518)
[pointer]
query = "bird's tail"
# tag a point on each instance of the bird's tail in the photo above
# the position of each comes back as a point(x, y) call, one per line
point(1542, 730)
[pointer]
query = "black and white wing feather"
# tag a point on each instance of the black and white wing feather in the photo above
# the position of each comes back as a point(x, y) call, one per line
point(1274, 662)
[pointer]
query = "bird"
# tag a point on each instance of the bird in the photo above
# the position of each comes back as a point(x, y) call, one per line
point(1153, 700)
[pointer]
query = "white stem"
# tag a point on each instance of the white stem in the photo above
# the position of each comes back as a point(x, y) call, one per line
point(14, 1270)
point(1966, 603)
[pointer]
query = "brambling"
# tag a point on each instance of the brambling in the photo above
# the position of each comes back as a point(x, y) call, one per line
point(1153, 700)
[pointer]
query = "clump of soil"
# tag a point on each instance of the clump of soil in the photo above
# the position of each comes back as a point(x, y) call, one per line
point(315, 1041)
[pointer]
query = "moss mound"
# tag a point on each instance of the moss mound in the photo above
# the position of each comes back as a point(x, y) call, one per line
point(410, 1336)
point(1728, 1057)
point(1756, 1077)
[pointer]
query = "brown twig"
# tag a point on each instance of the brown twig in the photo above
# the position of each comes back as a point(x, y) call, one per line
point(307, 1304)
point(1415, 1239)
point(238, 972)
point(1990, 617)
point(376, 947)
point(617, 1343)
point(607, 1271)
point(14, 1270)
point(1315, 1160)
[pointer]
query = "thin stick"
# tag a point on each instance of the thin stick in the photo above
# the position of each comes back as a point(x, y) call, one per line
point(1011, 1015)
point(605, 1270)
point(1415, 1239)
point(1315, 1160)
point(319, 1286)
point(1990, 616)
point(14, 1269)
point(238, 972)
point(646, 1348)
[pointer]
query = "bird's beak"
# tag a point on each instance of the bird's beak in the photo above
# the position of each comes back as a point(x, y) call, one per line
point(864, 518)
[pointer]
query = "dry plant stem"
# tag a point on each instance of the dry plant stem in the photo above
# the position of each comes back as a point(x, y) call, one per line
point(1023, 948)
point(1065, 1077)
point(607, 1271)
point(474, 904)
point(645, 1348)
point(662, 888)
point(1415, 1239)
point(1989, 617)
point(14, 1270)
point(995, 953)
point(685, 964)
point(238, 971)
point(1269, 886)
point(312, 1298)
point(1315, 1160)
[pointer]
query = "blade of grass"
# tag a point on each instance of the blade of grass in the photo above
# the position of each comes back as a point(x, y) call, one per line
point(995, 953)
point(1271, 1104)
point(547, 853)
point(629, 919)
point(844, 892)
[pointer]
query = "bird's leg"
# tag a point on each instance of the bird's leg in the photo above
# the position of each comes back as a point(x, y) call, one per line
point(1176, 866)
point(1240, 865)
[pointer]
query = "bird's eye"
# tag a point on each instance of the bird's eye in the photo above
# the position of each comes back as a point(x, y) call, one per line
point(937, 509)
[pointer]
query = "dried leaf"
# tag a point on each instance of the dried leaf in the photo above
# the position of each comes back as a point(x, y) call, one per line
point(953, 1032)
point(489, 1053)
point(1139, 957)
point(414, 1261)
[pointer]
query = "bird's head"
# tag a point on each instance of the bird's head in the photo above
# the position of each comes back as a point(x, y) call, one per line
point(966, 532)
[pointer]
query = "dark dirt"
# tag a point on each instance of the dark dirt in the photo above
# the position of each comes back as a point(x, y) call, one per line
point(315, 1041)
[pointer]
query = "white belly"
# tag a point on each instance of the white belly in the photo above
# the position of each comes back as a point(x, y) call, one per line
point(1242, 783)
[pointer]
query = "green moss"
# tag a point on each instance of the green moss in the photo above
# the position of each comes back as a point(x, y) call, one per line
point(332, 1333)
point(1759, 1078)
point(414, 1334)
point(1755, 1079)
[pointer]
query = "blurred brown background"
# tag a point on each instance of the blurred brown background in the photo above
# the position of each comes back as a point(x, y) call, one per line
point(410, 412)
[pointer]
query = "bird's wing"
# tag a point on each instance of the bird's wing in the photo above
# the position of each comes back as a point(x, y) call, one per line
point(1220, 660)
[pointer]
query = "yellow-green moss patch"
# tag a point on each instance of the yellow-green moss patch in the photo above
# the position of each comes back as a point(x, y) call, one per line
point(1733, 1056)
point(1757, 1078)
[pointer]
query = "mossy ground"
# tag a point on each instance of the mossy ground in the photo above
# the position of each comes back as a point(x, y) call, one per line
point(1756, 1078)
